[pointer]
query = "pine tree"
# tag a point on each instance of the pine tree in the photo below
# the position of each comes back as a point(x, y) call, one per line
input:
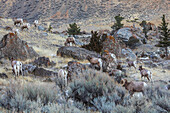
point(145, 27)
point(118, 23)
point(74, 29)
point(165, 35)
point(95, 42)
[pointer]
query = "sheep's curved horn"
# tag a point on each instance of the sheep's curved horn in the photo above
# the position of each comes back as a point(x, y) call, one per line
point(122, 82)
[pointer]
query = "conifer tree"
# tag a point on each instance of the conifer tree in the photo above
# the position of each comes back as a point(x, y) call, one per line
point(73, 29)
point(165, 35)
point(118, 23)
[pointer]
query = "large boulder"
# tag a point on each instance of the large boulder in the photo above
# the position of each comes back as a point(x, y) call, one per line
point(75, 68)
point(112, 45)
point(131, 36)
point(32, 69)
point(76, 52)
point(127, 52)
point(12, 46)
point(40, 61)
point(108, 63)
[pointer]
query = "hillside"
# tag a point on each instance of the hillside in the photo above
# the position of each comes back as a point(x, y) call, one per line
point(86, 11)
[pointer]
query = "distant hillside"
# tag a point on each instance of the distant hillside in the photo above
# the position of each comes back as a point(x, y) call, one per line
point(75, 10)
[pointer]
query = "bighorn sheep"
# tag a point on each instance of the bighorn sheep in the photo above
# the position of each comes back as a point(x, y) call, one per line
point(16, 67)
point(131, 63)
point(94, 61)
point(63, 74)
point(70, 41)
point(145, 73)
point(15, 31)
point(35, 23)
point(18, 21)
point(25, 26)
point(134, 86)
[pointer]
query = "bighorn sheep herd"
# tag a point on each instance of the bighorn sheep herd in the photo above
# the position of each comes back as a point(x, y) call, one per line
point(132, 86)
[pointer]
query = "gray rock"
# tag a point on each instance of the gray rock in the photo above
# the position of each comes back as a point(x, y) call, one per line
point(76, 52)
point(3, 75)
point(44, 72)
point(75, 68)
point(13, 46)
point(44, 34)
point(129, 53)
point(41, 28)
point(124, 34)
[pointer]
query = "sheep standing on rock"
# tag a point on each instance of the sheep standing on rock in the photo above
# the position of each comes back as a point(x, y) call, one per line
point(18, 21)
point(35, 23)
point(25, 26)
point(145, 73)
point(70, 41)
point(94, 61)
point(16, 67)
point(134, 86)
point(63, 74)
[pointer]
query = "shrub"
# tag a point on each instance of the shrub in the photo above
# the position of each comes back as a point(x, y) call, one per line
point(27, 98)
point(96, 90)
point(73, 29)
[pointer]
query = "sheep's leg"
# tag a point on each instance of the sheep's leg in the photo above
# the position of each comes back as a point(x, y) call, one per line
point(148, 78)
point(71, 44)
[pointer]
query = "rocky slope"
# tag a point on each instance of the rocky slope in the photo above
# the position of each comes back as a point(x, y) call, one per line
point(74, 10)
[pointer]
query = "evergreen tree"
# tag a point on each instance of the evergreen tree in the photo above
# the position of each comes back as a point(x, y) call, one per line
point(165, 35)
point(73, 29)
point(145, 27)
point(95, 42)
point(118, 23)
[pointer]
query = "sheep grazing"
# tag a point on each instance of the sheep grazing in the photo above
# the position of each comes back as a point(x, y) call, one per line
point(18, 21)
point(134, 86)
point(25, 26)
point(35, 23)
point(131, 63)
point(145, 73)
point(94, 61)
point(16, 67)
point(63, 74)
point(70, 41)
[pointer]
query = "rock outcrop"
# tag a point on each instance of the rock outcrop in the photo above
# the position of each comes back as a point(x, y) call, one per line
point(12, 46)
point(131, 36)
point(40, 61)
point(76, 52)
point(75, 68)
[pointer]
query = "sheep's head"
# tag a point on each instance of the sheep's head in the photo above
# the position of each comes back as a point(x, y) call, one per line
point(140, 68)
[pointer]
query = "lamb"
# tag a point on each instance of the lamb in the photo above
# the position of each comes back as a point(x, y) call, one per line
point(16, 67)
point(63, 74)
point(134, 86)
point(94, 61)
point(35, 23)
point(145, 73)
point(25, 26)
point(70, 41)
point(18, 21)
